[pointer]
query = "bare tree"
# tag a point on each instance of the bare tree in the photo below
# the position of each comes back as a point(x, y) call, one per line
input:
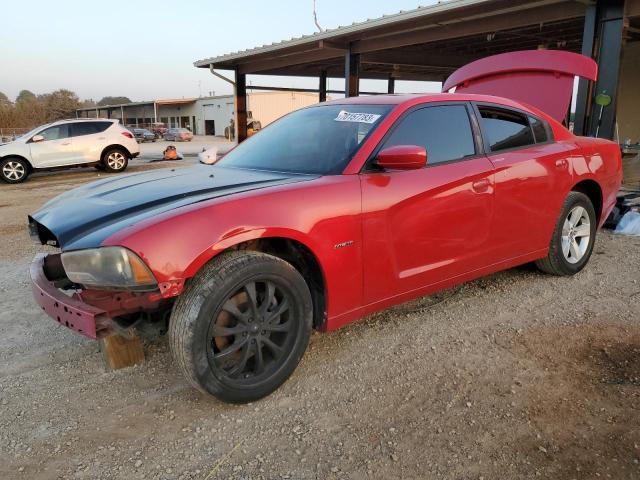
point(31, 110)
point(25, 96)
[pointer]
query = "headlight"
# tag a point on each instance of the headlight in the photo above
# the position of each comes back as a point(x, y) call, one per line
point(108, 267)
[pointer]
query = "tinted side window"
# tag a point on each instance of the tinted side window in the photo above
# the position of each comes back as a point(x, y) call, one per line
point(445, 131)
point(102, 126)
point(84, 128)
point(505, 129)
point(539, 130)
point(56, 133)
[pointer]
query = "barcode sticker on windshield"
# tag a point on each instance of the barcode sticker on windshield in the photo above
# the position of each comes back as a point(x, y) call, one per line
point(345, 116)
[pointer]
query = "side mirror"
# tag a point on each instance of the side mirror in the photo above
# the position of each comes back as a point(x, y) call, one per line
point(402, 157)
point(37, 138)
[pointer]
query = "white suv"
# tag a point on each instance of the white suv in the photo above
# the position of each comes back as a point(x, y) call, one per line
point(103, 143)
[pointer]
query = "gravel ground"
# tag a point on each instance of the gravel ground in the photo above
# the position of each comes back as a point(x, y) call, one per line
point(515, 376)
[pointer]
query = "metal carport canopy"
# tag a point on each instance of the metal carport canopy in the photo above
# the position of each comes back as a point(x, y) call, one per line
point(398, 45)
point(424, 44)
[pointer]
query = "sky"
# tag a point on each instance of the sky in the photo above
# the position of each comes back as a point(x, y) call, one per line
point(145, 50)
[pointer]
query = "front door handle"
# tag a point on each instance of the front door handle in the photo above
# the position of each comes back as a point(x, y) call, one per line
point(562, 163)
point(66, 143)
point(481, 186)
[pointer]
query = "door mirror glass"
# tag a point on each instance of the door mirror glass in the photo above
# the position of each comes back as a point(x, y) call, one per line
point(37, 138)
point(402, 157)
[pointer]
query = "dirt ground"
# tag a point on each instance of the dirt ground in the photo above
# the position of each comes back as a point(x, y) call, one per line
point(515, 376)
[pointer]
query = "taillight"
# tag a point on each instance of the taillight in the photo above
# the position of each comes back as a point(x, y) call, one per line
point(127, 134)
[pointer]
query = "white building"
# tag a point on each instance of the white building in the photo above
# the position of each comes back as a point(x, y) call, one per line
point(203, 116)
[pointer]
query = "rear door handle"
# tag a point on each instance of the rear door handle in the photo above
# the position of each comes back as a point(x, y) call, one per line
point(66, 143)
point(481, 186)
point(562, 163)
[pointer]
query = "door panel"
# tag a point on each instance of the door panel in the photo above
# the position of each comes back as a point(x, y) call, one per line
point(89, 140)
point(87, 148)
point(424, 226)
point(531, 178)
point(531, 185)
point(55, 150)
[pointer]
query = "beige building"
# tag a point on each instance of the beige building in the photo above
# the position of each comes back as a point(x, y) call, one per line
point(206, 115)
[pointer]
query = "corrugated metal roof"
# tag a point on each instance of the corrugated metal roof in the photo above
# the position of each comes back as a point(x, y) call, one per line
point(331, 33)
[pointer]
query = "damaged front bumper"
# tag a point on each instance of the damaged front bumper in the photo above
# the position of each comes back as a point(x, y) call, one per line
point(92, 313)
point(67, 310)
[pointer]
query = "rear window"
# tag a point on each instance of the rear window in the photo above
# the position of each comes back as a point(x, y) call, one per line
point(505, 129)
point(88, 128)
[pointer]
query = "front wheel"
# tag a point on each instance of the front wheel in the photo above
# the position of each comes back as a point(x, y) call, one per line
point(14, 170)
point(573, 238)
point(115, 160)
point(241, 326)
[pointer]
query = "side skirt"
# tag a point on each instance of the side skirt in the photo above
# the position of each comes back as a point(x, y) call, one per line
point(334, 323)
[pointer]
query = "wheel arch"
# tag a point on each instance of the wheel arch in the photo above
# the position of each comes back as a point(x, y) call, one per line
point(292, 250)
point(115, 145)
point(11, 155)
point(593, 190)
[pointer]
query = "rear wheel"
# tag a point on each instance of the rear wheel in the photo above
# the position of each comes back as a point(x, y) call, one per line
point(14, 170)
point(115, 160)
point(242, 325)
point(573, 238)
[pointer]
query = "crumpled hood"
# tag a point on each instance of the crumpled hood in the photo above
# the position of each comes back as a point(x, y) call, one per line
point(85, 216)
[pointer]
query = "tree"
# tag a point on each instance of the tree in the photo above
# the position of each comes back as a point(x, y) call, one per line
point(4, 100)
point(87, 103)
point(25, 96)
point(31, 110)
point(113, 101)
point(59, 104)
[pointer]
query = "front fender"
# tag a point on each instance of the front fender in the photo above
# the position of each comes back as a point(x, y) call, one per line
point(243, 236)
point(323, 214)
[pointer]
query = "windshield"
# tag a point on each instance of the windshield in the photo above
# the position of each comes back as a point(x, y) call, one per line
point(31, 133)
point(317, 140)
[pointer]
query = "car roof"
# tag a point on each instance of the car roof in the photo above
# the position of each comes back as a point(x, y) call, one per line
point(399, 99)
point(84, 120)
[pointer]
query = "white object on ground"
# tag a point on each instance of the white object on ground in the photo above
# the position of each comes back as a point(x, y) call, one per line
point(629, 224)
point(209, 156)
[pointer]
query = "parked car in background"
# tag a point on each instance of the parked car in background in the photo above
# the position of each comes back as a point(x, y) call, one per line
point(143, 135)
point(159, 129)
point(103, 143)
point(178, 135)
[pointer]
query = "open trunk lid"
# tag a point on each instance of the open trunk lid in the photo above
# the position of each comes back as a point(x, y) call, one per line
point(541, 78)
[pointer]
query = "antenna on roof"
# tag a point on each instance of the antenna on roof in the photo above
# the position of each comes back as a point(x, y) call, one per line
point(315, 17)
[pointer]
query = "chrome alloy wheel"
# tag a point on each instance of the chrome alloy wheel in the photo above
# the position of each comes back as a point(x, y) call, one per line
point(116, 160)
point(14, 171)
point(576, 234)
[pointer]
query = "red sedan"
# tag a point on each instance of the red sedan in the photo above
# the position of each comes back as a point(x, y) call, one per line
point(332, 213)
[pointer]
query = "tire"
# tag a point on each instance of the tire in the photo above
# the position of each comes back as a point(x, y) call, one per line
point(215, 339)
point(14, 170)
point(573, 238)
point(115, 160)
